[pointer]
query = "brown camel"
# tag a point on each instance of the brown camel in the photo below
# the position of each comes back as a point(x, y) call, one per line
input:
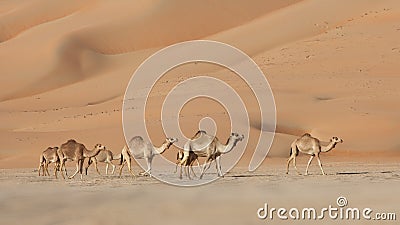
point(72, 150)
point(188, 164)
point(311, 146)
point(49, 156)
point(140, 149)
point(205, 145)
point(104, 156)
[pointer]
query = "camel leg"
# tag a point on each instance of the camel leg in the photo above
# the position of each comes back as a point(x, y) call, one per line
point(148, 168)
point(113, 167)
point(77, 170)
point(81, 162)
point(185, 169)
point(295, 167)
point(55, 169)
point(62, 162)
point(62, 168)
point(219, 169)
point(187, 172)
point(308, 164)
point(206, 165)
point(176, 166)
point(44, 169)
point(95, 165)
point(129, 162)
point(107, 165)
point(180, 173)
point(46, 166)
point(149, 161)
point(191, 167)
point(65, 170)
point(40, 167)
point(120, 168)
point(183, 161)
point(88, 165)
point(320, 165)
point(194, 174)
point(198, 165)
point(288, 164)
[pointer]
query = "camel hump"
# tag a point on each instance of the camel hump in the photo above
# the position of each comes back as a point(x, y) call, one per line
point(198, 134)
point(136, 139)
point(50, 149)
point(71, 141)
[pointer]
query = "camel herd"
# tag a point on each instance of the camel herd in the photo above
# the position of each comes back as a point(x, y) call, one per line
point(200, 145)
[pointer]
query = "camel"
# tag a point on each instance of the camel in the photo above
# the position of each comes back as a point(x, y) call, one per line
point(72, 150)
point(189, 163)
point(204, 145)
point(139, 149)
point(49, 156)
point(104, 156)
point(311, 146)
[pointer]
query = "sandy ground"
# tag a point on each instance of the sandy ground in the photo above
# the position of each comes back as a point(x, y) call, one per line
point(234, 199)
point(332, 66)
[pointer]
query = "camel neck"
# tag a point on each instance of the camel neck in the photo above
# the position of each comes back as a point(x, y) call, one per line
point(229, 146)
point(90, 153)
point(329, 147)
point(160, 150)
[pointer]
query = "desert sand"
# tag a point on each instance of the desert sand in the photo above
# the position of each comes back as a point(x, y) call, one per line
point(332, 66)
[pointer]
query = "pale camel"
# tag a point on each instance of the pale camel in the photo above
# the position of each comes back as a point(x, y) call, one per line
point(49, 156)
point(139, 149)
point(204, 145)
point(72, 150)
point(311, 146)
point(104, 156)
point(189, 163)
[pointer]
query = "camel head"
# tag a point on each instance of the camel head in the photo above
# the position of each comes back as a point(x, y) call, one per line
point(336, 140)
point(170, 141)
point(99, 147)
point(236, 137)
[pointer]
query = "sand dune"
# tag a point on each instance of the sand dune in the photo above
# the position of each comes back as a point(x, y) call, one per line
point(67, 66)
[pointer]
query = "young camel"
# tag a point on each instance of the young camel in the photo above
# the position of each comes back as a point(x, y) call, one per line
point(49, 156)
point(189, 163)
point(311, 146)
point(139, 149)
point(204, 145)
point(104, 156)
point(72, 150)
